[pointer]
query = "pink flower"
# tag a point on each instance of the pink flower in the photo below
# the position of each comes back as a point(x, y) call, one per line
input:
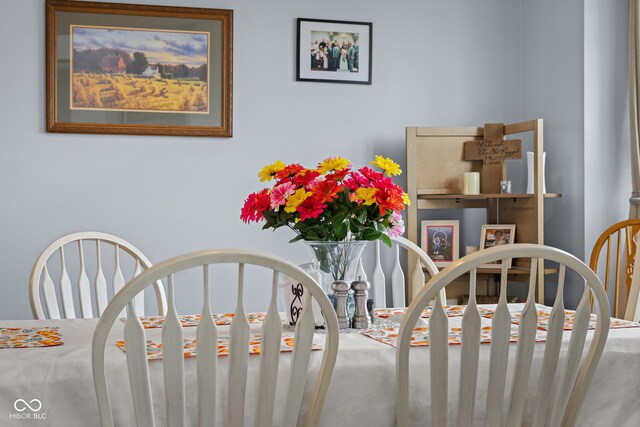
point(355, 181)
point(280, 193)
point(396, 225)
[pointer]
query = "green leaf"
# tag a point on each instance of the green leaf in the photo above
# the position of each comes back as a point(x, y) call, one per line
point(341, 230)
point(386, 239)
point(370, 234)
point(295, 239)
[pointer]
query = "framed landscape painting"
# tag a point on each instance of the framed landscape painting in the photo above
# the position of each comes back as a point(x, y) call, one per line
point(334, 51)
point(134, 69)
point(440, 240)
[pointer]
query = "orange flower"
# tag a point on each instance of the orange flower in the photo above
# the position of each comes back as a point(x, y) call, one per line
point(326, 190)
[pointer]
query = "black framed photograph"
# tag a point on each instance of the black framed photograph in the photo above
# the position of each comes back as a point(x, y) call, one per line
point(138, 69)
point(440, 240)
point(334, 51)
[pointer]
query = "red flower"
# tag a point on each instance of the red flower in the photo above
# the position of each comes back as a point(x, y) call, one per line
point(312, 207)
point(254, 206)
point(355, 181)
point(289, 171)
point(386, 183)
point(389, 199)
point(305, 177)
point(326, 190)
point(338, 175)
point(370, 174)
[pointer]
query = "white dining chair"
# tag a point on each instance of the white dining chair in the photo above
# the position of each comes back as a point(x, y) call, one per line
point(564, 376)
point(207, 357)
point(400, 282)
point(64, 306)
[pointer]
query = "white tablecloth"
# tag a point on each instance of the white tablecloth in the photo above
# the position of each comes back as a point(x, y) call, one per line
point(361, 392)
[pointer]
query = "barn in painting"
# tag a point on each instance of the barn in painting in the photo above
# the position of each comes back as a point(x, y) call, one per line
point(113, 64)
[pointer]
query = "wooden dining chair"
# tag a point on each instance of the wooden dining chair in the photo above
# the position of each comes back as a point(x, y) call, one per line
point(64, 306)
point(564, 376)
point(619, 242)
point(399, 281)
point(207, 357)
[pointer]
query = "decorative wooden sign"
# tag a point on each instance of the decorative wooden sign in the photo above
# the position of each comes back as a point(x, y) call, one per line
point(493, 150)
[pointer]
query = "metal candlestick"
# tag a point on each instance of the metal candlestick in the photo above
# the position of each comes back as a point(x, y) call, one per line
point(361, 319)
point(340, 291)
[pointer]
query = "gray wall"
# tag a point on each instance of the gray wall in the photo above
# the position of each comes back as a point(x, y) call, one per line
point(606, 117)
point(553, 88)
point(436, 63)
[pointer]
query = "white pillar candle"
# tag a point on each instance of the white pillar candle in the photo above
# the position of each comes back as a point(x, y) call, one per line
point(471, 184)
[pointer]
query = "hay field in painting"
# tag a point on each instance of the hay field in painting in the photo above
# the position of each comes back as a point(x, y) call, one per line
point(147, 70)
point(126, 92)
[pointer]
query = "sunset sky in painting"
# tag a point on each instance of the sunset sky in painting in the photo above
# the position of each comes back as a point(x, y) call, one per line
point(165, 47)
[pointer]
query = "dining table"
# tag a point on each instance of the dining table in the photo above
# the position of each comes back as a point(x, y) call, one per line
point(361, 392)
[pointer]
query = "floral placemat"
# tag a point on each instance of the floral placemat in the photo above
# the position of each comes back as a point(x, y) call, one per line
point(420, 337)
point(154, 348)
point(450, 310)
point(30, 337)
point(544, 313)
point(150, 322)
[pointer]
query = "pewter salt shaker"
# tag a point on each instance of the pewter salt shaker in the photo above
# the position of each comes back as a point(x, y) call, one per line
point(340, 291)
point(361, 319)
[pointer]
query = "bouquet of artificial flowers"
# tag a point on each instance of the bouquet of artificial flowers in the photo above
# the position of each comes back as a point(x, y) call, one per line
point(332, 202)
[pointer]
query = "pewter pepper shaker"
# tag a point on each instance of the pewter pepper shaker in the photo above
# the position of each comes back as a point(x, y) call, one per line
point(340, 291)
point(370, 307)
point(361, 319)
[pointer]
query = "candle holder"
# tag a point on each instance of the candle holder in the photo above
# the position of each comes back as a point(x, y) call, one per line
point(505, 187)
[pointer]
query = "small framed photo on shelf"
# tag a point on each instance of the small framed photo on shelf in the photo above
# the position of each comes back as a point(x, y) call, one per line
point(440, 241)
point(496, 235)
point(334, 51)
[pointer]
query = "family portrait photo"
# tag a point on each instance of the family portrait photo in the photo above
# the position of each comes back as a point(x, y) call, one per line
point(126, 69)
point(334, 51)
point(440, 241)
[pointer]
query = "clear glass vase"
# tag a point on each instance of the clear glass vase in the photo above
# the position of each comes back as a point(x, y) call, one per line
point(337, 261)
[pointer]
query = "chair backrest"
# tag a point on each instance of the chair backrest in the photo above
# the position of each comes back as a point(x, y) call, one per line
point(65, 306)
point(571, 380)
point(619, 242)
point(206, 344)
point(399, 281)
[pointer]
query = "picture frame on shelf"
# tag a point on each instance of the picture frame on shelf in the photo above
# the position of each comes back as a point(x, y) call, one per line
point(440, 240)
point(115, 68)
point(331, 51)
point(496, 235)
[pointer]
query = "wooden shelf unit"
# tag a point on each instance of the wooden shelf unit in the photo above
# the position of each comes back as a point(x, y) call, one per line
point(435, 169)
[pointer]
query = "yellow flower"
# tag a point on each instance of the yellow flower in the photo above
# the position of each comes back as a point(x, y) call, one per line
point(405, 199)
point(294, 200)
point(333, 164)
point(387, 165)
point(367, 195)
point(268, 172)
